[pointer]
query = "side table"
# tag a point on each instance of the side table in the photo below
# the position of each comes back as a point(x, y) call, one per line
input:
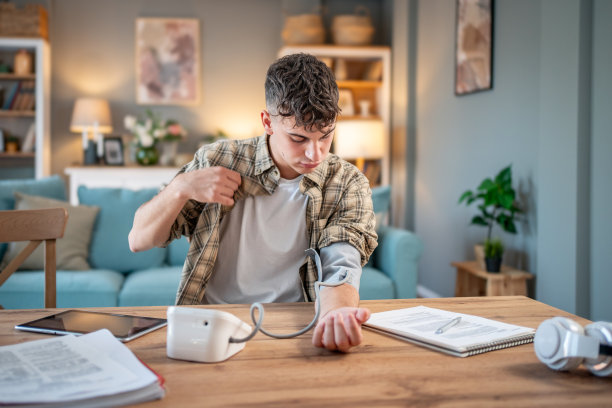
point(473, 281)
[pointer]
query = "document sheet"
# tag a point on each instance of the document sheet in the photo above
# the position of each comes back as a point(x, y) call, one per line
point(70, 368)
point(471, 335)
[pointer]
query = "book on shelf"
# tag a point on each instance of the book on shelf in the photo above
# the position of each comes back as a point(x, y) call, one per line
point(457, 334)
point(20, 96)
point(93, 370)
point(28, 140)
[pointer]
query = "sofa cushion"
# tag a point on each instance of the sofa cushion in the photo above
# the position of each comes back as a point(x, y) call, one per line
point(72, 249)
point(109, 242)
point(25, 289)
point(151, 287)
point(375, 285)
point(177, 252)
point(51, 187)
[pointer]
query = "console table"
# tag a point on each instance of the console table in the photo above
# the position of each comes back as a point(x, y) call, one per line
point(382, 371)
point(473, 281)
point(131, 177)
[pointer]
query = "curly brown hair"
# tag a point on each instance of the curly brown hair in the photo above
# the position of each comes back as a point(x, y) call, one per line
point(301, 86)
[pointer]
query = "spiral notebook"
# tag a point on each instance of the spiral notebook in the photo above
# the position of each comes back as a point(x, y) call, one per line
point(462, 337)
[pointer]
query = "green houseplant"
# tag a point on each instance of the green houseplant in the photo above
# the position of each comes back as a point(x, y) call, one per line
point(496, 201)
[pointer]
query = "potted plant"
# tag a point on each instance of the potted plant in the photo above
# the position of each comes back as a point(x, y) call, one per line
point(496, 201)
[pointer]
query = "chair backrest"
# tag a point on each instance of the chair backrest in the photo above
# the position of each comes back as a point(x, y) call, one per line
point(34, 226)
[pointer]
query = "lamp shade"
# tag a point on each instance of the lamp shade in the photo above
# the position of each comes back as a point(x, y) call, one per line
point(359, 139)
point(89, 111)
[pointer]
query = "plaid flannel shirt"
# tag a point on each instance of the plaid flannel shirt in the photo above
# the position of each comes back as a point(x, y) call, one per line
point(339, 209)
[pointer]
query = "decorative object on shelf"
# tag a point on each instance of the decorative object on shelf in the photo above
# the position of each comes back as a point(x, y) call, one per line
point(91, 116)
point(360, 139)
point(345, 102)
point(474, 46)
point(11, 144)
point(147, 156)
point(22, 64)
point(340, 70)
point(171, 44)
point(496, 200)
point(353, 29)
point(149, 132)
point(374, 71)
point(113, 151)
point(364, 107)
point(29, 21)
point(303, 29)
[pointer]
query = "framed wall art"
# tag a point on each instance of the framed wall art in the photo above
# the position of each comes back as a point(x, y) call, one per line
point(167, 61)
point(474, 46)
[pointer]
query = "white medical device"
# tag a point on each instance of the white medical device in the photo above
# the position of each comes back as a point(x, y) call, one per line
point(210, 336)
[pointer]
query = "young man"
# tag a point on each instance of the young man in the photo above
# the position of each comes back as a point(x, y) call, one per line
point(251, 208)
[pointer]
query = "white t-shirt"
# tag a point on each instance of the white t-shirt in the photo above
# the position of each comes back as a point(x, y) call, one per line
point(262, 246)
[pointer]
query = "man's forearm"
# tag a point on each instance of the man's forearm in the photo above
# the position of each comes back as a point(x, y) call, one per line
point(154, 219)
point(333, 298)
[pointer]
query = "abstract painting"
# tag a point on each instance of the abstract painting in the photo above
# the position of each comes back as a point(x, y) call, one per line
point(474, 47)
point(167, 61)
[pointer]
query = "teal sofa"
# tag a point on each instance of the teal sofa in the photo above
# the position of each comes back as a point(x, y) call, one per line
point(118, 277)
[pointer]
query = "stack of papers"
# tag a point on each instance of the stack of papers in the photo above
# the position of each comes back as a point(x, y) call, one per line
point(94, 370)
point(457, 334)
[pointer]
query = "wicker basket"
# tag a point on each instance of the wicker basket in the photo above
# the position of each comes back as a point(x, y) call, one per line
point(30, 21)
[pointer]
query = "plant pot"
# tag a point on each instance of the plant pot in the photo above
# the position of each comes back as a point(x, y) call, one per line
point(493, 264)
point(147, 156)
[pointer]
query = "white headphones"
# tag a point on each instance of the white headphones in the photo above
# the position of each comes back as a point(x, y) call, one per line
point(562, 344)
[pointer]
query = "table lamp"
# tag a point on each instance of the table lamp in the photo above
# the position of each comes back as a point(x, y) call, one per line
point(359, 139)
point(91, 116)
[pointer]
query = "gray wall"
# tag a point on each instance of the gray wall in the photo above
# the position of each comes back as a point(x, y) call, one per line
point(601, 165)
point(93, 55)
point(461, 140)
point(546, 118)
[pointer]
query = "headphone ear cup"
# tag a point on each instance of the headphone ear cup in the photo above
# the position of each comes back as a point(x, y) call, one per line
point(549, 339)
point(602, 331)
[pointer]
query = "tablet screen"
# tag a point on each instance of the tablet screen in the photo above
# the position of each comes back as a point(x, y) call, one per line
point(77, 322)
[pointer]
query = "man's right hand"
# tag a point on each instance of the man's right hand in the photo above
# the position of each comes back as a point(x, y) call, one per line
point(210, 185)
point(154, 219)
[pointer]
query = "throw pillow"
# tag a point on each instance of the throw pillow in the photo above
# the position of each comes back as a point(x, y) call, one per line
point(73, 249)
point(110, 248)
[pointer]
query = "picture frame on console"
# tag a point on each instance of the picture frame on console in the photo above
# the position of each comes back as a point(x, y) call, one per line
point(113, 151)
point(474, 46)
point(167, 61)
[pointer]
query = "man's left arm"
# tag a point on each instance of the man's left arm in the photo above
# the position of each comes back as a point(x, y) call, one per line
point(339, 325)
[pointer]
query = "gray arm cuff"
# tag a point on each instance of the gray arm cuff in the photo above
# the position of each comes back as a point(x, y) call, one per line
point(337, 260)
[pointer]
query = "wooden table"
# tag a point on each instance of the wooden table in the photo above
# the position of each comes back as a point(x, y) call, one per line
point(383, 371)
point(473, 281)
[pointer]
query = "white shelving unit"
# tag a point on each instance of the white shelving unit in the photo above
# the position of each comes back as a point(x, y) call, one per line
point(358, 63)
point(17, 122)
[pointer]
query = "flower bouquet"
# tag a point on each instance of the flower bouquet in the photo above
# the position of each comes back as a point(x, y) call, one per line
point(151, 130)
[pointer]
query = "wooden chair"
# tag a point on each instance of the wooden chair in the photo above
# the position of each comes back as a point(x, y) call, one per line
point(34, 226)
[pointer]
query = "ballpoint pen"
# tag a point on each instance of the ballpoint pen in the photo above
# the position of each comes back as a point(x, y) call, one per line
point(448, 325)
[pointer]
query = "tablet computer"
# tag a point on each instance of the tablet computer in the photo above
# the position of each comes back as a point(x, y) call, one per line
point(123, 327)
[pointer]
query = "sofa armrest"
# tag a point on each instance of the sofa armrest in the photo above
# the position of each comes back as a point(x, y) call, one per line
point(397, 256)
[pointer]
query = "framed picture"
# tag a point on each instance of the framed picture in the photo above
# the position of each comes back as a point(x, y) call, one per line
point(345, 101)
point(113, 151)
point(167, 61)
point(474, 46)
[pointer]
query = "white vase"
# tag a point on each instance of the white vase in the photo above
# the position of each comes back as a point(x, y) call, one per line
point(167, 152)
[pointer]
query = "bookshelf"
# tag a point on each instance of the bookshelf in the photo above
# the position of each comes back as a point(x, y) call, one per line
point(24, 110)
point(365, 72)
